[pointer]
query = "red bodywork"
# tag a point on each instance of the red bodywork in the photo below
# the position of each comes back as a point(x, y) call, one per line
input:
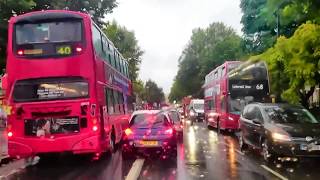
point(94, 137)
point(216, 91)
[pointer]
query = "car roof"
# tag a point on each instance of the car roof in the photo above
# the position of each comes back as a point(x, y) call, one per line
point(275, 104)
point(146, 112)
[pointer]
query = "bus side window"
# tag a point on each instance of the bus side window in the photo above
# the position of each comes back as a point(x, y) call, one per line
point(116, 102)
point(121, 103)
point(223, 71)
point(110, 101)
point(97, 42)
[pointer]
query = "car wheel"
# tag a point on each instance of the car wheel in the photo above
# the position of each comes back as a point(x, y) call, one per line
point(243, 146)
point(268, 156)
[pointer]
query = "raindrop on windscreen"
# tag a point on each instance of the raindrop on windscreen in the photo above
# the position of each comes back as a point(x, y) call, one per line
point(290, 170)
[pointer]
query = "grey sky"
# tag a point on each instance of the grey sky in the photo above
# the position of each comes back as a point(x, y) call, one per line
point(164, 27)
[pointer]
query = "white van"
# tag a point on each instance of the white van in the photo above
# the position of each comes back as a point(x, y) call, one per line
point(196, 109)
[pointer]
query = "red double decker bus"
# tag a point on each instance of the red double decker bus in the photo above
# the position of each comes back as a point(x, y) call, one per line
point(68, 86)
point(230, 87)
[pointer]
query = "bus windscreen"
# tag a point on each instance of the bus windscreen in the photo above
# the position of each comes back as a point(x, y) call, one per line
point(48, 38)
point(42, 91)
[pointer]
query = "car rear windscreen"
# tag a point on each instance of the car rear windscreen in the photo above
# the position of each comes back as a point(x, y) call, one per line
point(143, 120)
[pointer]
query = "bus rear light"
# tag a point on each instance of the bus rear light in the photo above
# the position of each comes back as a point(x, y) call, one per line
point(79, 49)
point(20, 52)
point(10, 134)
point(94, 121)
point(95, 128)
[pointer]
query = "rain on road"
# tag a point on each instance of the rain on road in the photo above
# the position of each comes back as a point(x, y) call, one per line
point(202, 154)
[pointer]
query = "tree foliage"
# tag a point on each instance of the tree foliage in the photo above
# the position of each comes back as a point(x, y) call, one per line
point(97, 8)
point(9, 8)
point(153, 93)
point(294, 64)
point(207, 49)
point(259, 35)
point(127, 44)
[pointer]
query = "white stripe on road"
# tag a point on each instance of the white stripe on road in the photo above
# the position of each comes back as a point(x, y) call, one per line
point(274, 173)
point(135, 170)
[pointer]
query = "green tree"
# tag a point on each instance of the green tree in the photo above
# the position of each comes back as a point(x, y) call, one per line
point(127, 44)
point(207, 49)
point(258, 34)
point(153, 93)
point(97, 8)
point(9, 8)
point(294, 65)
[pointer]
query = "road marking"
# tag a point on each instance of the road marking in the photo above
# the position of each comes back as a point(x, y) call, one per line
point(274, 173)
point(135, 170)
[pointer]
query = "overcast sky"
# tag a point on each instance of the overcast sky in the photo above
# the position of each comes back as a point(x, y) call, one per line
point(164, 27)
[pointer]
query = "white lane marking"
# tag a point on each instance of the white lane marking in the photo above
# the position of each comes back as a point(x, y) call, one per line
point(274, 173)
point(239, 152)
point(135, 170)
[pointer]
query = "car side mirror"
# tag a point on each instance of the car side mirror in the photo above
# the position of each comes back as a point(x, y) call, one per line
point(256, 121)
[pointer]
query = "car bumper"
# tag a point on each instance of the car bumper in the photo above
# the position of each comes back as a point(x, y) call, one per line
point(136, 145)
point(294, 149)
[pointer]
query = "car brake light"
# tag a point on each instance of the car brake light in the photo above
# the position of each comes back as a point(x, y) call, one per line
point(95, 128)
point(168, 131)
point(128, 131)
point(10, 134)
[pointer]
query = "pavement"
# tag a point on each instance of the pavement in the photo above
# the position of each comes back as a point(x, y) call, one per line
point(202, 155)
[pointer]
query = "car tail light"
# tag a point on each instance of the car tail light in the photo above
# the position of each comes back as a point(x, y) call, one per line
point(128, 132)
point(169, 131)
point(95, 128)
point(10, 134)
point(181, 126)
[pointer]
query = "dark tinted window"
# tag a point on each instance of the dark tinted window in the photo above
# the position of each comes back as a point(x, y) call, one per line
point(295, 115)
point(257, 114)
point(51, 89)
point(148, 120)
point(51, 32)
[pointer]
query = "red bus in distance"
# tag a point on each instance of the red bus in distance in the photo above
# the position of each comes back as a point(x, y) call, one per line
point(68, 86)
point(231, 86)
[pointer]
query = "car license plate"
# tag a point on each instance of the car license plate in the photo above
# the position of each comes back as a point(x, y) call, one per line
point(149, 143)
point(314, 147)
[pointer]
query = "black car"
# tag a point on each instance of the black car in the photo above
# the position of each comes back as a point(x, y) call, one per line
point(281, 131)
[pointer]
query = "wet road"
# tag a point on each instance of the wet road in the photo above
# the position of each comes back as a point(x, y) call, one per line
point(202, 154)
